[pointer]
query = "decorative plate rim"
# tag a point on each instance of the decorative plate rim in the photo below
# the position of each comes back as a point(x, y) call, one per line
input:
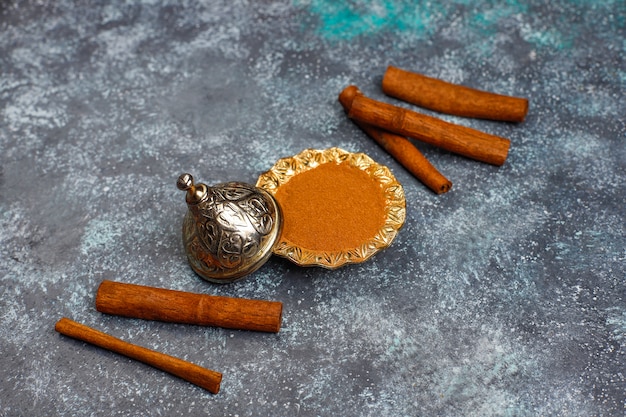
point(395, 205)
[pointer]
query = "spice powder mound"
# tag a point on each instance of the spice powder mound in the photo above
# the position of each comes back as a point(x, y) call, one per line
point(332, 207)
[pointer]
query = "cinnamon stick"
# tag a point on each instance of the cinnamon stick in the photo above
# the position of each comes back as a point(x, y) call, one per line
point(450, 98)
point(149, 303)
point(458, 139)
point(400, 148)
point(202, 377)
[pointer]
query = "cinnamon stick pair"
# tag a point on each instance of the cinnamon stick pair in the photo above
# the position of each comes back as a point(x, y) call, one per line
point(389, 125)
point(398, 146)
point(150, 303)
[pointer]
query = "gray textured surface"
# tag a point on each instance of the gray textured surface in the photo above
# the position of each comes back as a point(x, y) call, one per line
point(505, 296)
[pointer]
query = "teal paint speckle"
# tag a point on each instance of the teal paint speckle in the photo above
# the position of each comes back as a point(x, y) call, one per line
point(347, 20)
point(485, 21)
point(549, 38)
point(344, 21)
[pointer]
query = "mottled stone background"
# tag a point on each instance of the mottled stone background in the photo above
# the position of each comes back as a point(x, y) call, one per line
point(504, 297)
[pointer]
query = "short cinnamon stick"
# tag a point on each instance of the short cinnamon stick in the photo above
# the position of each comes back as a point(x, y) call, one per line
point(450, 98)
point(458, 139)
point(400, 148)
point(149, 303)
point(202, 377)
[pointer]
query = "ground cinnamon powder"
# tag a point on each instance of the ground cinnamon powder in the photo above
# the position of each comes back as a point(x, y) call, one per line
point(332, 207)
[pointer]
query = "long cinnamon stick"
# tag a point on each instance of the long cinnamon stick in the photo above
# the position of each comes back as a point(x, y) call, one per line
point(400, 148)
point(149, 303)
point(450, 98)
point(458, 139)
point(202, 377)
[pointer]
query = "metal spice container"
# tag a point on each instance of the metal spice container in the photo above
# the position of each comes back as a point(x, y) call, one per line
point(229, 230)
point(232, 229)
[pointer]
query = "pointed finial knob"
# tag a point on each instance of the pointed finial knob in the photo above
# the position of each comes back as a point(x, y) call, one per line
point(195, 193)
point(185, 182)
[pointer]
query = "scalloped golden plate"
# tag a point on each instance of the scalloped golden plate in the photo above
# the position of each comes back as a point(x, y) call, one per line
point(392, 194)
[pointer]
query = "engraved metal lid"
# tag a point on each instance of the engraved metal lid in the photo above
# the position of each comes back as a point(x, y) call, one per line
point(229, 230)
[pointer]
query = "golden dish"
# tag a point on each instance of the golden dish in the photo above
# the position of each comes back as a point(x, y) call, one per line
point(307, 210)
